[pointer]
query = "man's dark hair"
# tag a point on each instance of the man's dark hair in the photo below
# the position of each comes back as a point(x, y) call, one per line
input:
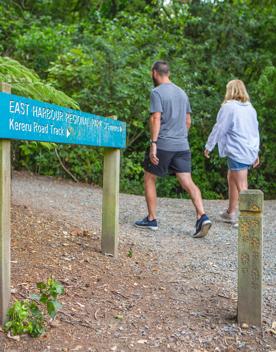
point(162, 67)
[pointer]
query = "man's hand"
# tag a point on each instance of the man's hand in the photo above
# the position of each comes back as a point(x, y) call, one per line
point(256, 163)
point(153, 157)
point(206, 154)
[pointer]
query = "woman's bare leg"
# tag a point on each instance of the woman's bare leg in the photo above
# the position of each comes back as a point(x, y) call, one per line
point(240, 179)
point(233, 192)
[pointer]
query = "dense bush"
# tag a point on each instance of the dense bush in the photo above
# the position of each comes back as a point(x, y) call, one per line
point(101, 54)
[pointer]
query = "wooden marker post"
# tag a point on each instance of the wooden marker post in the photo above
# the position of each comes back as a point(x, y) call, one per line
point(110, 207)
point(5, 205)
point(250, 261)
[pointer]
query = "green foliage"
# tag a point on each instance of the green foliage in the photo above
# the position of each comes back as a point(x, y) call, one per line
point(266, 107)
point(132, 173)
point(25, 317)
point(27, 83)
point(39, 46)
point(100, 54)
point(49, 291)
point(130, 253)
point(85, 163)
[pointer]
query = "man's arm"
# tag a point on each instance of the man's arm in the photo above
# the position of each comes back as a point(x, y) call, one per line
point(188, 120)
point(155, 121)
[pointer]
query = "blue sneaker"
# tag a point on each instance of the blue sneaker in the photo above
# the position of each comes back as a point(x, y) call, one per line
point(203, 225)
point(147, 224)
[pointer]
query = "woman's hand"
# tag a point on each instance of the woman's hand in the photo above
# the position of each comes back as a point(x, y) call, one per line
point(206, 154)
point(256, 163)
point(153, 154)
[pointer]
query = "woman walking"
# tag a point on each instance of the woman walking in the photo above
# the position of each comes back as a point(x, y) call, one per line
point(237, 135)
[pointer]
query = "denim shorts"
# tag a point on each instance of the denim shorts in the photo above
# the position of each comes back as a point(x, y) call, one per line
point(236, 166)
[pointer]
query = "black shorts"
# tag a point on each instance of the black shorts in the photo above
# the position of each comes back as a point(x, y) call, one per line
point(169, 163)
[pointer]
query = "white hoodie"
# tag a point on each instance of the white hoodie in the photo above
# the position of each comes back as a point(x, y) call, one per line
point(236, 132)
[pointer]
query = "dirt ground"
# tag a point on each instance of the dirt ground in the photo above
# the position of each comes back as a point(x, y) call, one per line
point(174, 294)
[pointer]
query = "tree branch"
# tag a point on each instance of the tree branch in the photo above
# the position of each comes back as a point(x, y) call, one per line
point(64, 168)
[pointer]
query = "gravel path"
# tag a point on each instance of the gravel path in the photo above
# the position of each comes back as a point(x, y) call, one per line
point(201, 273)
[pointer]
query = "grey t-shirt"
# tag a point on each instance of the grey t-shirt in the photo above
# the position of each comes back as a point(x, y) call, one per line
point(173, 104)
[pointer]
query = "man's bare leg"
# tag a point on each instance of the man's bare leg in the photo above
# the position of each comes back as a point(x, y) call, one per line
point(187, 183)
point(150, 194)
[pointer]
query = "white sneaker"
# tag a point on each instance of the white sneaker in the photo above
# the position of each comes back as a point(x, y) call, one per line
point(230, 218)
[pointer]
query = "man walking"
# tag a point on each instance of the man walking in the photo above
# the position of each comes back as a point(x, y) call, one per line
point(170, 121)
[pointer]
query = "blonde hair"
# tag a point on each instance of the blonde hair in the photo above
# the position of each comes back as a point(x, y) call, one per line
point(235, 90)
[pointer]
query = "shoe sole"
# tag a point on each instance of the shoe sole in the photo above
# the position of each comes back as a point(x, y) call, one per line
point(204, 229)
point(152, 228)
point(228, 221)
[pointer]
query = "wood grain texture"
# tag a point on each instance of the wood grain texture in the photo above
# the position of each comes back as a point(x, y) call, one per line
point(250, 258)
point(110, 208)
point(5, 229)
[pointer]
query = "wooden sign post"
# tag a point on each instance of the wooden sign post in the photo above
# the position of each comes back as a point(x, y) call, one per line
point(110, 207)
point(250, 261)
point(31, 120)
point(5, 229)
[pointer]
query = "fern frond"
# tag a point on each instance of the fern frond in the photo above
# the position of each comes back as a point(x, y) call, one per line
point(27, 83)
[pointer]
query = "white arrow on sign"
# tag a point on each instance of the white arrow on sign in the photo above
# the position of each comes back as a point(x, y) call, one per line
point(68, 132)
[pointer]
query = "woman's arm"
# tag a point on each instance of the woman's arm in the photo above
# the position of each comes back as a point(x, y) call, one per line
point(257, 161)
point(224, 120)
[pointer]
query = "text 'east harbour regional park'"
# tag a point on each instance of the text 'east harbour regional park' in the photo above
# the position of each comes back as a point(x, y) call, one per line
point(27, 119)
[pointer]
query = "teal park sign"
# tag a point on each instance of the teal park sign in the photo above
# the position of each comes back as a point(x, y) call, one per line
point(32, 120)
